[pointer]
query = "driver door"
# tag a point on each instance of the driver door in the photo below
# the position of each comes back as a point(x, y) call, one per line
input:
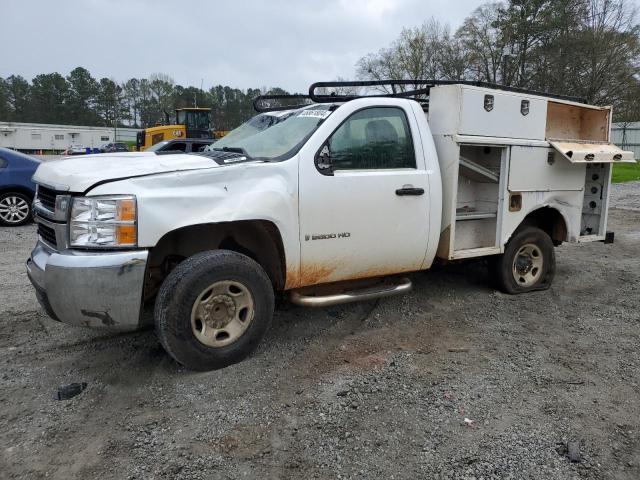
point(364, 200)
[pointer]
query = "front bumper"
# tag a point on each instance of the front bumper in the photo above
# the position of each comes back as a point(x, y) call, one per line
point(101, 289)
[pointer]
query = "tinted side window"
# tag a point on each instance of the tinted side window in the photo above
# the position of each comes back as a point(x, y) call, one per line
point(373, 138)
point(178, 146)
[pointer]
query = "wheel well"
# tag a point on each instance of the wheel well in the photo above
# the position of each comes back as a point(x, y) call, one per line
point(549, 220)
point(257, 239)
point(18, 189)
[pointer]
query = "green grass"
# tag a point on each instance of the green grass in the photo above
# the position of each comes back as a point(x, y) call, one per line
point(625, 172)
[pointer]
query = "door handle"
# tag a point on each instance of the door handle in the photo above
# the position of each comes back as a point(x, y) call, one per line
point(410, 191)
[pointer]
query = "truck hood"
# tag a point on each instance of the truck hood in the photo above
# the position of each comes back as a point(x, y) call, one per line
point(77, 174)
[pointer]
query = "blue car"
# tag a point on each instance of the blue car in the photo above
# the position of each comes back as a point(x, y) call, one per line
point(16, 188)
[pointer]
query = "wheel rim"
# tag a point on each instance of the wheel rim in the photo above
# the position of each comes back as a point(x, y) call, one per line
point(222, 313)
point(14, 209)
point(527, 265)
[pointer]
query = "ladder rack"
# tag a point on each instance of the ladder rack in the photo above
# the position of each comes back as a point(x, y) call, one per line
point(418, 90)
point(275, 103)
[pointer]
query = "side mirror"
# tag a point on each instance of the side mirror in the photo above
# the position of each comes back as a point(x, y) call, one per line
point(323, 160)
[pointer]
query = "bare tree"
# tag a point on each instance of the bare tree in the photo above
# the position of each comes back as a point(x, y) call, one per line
point(610, 50)
point(488, 52)
point(425, 52)
point(588, 48)
point(454, 58)
point(524, 25)
point(162, 91)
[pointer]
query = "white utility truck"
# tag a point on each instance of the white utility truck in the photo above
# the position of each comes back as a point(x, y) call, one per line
point(332, 205)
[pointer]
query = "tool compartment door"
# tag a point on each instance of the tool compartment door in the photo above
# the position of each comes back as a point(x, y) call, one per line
point(492, 113)
point(540, 169)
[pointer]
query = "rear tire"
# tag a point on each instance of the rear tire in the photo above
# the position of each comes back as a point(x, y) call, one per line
point(15, 209)
point(213, 309)
point(528, 263)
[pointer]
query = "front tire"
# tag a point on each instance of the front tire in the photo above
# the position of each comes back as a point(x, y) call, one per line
point(15, 209)
point(213, 309)
point(528, 263)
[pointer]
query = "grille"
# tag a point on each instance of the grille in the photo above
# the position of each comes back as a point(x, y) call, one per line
point(47, 234)
point(47, 197)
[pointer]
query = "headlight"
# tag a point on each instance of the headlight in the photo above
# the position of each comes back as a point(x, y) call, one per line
point(103, 222)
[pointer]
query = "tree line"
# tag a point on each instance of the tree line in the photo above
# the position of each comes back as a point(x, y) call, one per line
point(81, 99)
point(585, 48)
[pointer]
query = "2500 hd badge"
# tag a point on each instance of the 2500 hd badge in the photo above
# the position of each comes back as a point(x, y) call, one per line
point(325, 236)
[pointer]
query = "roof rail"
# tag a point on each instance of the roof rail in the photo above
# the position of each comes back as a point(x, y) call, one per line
point(273, 103)
point(420, 91)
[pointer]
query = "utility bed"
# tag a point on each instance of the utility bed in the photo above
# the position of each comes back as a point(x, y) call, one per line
point(503, 154)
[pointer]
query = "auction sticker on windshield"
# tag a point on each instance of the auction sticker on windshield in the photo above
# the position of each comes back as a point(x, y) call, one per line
point(315, 113)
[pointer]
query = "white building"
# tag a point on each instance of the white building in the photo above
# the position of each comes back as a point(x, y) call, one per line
point(39, 138)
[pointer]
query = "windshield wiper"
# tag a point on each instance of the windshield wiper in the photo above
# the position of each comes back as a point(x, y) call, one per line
point(234, 150)
point(242, 155)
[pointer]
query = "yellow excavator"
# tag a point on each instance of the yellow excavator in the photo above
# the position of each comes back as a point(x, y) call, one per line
point(191, 122)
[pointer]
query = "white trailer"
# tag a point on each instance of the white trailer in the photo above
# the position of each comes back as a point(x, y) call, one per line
point(41, 137)
point(335, 204)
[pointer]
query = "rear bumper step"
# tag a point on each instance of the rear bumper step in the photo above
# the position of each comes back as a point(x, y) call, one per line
point(402, 285)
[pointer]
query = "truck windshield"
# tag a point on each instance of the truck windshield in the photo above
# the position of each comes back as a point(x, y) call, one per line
point(281, 140)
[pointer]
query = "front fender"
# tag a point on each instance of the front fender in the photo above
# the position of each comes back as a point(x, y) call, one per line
point(250, 191)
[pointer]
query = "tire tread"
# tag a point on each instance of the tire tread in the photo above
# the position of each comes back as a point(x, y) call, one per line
point(172, 299)
point(501, 264)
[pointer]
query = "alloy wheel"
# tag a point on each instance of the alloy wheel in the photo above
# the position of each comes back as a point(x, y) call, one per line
point(14, 209)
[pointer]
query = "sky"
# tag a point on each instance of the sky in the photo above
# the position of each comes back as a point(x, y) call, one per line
point(240, 43)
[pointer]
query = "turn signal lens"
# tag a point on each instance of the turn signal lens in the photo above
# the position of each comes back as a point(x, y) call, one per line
point(126, 235)
point(126, 210)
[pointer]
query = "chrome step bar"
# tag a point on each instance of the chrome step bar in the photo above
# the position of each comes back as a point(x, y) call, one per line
point(403, 285)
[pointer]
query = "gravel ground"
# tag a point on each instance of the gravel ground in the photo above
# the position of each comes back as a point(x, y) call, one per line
point(453, 381)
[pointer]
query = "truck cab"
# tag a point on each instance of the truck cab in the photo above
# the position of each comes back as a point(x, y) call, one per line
point(338, 203)
point(197, 121)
